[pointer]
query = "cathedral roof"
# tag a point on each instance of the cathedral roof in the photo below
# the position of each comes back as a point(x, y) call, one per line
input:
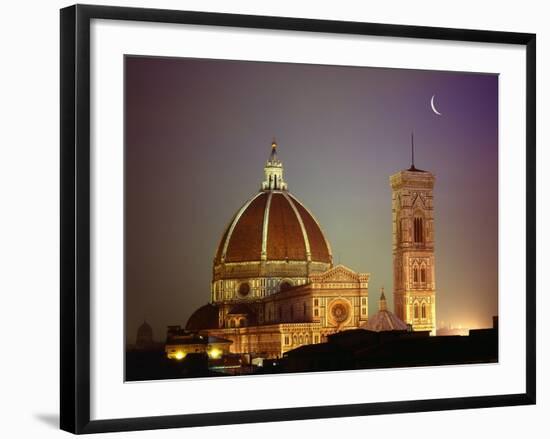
point(273, 225)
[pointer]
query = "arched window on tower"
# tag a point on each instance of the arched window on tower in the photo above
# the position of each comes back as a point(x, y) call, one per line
point(423, 274)
point(423, 310)
point(416, 310)
point(415, 274)
point(418, 229)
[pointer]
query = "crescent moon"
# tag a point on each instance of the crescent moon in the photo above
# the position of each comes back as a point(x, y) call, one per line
point(433, 106)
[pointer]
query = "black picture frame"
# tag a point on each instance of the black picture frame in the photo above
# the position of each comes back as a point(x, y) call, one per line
point(75, 217)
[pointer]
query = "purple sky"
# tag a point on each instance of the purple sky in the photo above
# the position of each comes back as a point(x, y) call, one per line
point(198, 133)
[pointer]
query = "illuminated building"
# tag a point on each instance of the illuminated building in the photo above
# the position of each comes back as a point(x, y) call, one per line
point(274, 285)
point(272, 243)
point(180, 343)
point(413, 247)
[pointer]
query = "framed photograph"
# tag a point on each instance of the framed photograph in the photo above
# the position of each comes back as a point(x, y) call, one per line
point(273, 218)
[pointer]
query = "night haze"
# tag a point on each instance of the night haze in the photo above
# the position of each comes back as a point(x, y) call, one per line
point(198, 134)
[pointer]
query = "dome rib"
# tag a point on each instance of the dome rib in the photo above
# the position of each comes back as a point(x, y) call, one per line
point(319, 245)
point(304, 233)
point(221, 246)
point(265, 227)
point(244, 243)
point(235, 221)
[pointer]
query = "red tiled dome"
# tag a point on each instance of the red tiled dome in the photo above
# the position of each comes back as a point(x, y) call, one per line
point(275, 225)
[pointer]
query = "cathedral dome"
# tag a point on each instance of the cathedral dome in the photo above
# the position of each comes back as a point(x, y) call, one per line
point(273, 226)
point(271, 244)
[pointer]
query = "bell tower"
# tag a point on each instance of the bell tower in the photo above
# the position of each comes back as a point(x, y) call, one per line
point(413, 247)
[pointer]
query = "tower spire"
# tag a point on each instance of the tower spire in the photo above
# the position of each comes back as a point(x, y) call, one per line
point(273, 171)
point(413, 168)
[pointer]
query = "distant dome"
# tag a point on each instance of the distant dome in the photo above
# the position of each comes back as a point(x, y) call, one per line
point(273, 226)
point(206, 317)
point(145, 330)
point(144, 337)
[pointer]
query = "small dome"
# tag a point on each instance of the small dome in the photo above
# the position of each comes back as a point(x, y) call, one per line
point(385, 321)
point(206, 317)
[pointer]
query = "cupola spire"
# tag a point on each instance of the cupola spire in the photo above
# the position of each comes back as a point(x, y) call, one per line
point(273, 171)
point(382, 306)
point(273, 149)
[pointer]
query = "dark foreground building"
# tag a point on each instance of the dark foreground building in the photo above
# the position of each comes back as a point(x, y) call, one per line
point(364, 349)
point(345, 350)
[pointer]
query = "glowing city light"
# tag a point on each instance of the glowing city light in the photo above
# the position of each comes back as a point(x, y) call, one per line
point(180, 355)
point(215, 353)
